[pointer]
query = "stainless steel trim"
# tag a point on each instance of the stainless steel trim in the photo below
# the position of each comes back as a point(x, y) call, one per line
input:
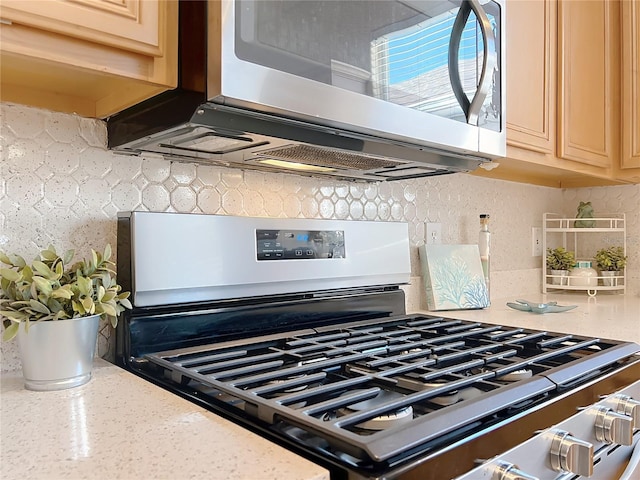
point(184, 258)
point(472, 108)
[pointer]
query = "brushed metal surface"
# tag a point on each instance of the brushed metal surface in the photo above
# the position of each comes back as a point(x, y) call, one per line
point(58, 354)
point(190, 257)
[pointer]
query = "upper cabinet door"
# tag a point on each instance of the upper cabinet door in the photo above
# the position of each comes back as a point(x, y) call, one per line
point(90, 57)
point(630, 157)
point(588, 74)
point(531, 75)
point(126, 24)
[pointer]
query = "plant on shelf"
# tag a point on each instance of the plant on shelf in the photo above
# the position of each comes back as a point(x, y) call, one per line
point(53, 308)
point(560, 259)
point(610, 259)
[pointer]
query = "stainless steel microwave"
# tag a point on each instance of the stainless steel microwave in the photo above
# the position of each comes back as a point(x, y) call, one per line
point(371, 90)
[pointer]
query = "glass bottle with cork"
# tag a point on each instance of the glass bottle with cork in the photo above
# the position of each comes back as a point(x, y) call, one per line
point(484, 245)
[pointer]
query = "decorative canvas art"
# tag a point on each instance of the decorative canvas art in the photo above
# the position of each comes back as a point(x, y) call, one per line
point(453, 277)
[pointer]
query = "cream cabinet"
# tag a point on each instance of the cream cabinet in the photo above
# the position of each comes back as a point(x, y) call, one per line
point(564, 75)
point(630, 155)
point(531, 79)
point(588, 77)
point(91, 57)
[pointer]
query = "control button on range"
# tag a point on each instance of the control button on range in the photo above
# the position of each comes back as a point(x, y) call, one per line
point(626, 405)
point(613, 427)
point(309, 253)
point(298, 253)
point(509, 471)
point(570, 454)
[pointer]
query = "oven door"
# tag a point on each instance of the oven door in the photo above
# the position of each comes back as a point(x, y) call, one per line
point(413, 70)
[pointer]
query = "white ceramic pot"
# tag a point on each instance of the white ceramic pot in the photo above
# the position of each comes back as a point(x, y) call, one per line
point(59, 354)
point(583, 275)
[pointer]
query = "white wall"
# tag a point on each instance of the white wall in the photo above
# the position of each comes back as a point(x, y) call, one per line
point(59, 185)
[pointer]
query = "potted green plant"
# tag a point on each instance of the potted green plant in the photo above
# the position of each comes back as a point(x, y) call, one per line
point(54, 309)
point(559, 262)
point(610, 261)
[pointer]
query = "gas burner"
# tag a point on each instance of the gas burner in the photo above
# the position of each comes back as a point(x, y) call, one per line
point(516, 375)
point(382, 422)
point(448, 398)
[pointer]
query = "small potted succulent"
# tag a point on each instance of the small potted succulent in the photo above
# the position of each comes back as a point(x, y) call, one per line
point(610, 261)
point(559, 262)
point(54, 309)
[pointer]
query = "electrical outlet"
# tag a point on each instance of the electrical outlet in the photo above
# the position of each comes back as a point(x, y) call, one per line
point(434, 233)
point(536, 241)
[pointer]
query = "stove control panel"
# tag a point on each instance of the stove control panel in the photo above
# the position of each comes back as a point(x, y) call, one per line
point(598, 442)
point(299, 244)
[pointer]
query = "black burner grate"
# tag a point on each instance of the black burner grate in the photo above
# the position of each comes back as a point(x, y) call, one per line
point(448, 374)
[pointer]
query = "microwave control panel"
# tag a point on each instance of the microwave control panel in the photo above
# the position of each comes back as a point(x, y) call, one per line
point(299, 244)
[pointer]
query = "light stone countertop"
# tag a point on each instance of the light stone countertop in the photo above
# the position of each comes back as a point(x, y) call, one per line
point(614, 317)
point(119, 426)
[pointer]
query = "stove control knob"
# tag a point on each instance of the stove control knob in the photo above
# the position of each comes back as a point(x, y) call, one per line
point(626, 405)
point(509, 471)
point(570, 454)
point(612, 427)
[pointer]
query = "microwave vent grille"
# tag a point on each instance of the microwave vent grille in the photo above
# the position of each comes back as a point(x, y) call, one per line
point(311, 155)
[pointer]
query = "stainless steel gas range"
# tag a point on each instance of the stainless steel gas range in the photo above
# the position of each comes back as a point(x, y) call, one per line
point(296, 329)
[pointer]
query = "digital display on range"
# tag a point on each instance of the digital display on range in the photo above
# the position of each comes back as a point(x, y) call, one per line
point(299, 244)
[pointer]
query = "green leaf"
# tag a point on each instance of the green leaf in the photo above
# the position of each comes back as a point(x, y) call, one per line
point(27, 274)
point(49, 254)
point(68, 256)
point(43, 285)
point(55, 306)
point(126, 303)
point(107, 253)
point(39, 307)
point(43, 269)
point(10, 332)
point(101, 293)
point(84, 285)
point(17, 261)
point(108, 296)
point(14, 316)
point(94, 257)
point(61, 293)
point(106, 280)
point(59, 269)
point(9, 274)
point(109, 309)
point(88, 305)
point(78, 307)
point(4, 259)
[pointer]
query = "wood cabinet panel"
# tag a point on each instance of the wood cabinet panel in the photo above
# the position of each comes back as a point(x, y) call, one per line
point(630, 156)
point(105, 62)
point(131, 25)
point(531, 28)
point(587, 74)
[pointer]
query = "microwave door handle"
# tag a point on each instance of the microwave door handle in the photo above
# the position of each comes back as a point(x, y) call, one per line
point(472, 108)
